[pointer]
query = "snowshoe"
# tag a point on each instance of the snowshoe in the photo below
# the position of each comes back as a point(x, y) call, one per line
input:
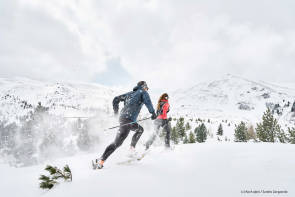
point(134, 159)
point(97, 164)
point(132, 153)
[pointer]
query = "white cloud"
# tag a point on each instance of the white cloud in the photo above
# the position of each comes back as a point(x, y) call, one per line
point(167, 43)
point(43, 39)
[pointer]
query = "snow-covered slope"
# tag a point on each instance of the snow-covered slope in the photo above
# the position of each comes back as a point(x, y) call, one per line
point(208, 169)
point(19, 96)
point(232, 98)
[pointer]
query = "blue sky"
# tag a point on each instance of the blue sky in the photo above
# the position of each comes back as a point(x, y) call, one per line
point(114, 74)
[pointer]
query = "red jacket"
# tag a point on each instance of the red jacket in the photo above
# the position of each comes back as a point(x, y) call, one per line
point(165, 110)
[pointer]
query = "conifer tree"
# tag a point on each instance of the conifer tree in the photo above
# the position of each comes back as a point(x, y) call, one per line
point(174, 135)
point(40, 108)
point(269, 130)
point(291, 135)
point(191, 138)
point(201, 133)
point(281, 136)
point(180, 127)
point(185, 139)
point(240, 132)
point(220, 130)
point(187, 126)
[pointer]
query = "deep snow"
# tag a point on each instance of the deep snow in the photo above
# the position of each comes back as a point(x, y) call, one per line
point(208, 169)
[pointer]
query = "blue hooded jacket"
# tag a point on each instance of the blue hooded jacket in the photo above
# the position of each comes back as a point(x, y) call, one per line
point(133, 102)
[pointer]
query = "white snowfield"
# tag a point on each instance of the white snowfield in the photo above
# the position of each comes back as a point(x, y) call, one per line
point(208, 169)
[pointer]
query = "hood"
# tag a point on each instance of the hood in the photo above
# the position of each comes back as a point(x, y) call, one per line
point(137, 88)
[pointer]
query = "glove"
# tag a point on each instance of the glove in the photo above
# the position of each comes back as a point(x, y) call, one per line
point(169, 119)
point(154, 116)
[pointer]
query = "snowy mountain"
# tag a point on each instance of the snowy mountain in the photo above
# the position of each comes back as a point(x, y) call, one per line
point(233, 98)
point(47, 136)
point(230, 97)
point(19, 96)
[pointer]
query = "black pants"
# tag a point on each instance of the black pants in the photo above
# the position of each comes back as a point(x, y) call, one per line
point(121, 136)
point(166, 127)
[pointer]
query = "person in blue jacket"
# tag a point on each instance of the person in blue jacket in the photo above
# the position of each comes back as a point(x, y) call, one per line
point(133, 102)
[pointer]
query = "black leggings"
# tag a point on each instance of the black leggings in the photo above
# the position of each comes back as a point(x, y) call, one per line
point(121, 136)
point(166, 127)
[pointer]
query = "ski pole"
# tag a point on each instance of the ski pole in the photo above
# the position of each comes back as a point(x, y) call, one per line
point(128, 123)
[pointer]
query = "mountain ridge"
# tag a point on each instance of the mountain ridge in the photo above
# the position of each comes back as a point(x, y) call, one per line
point(223, 96)
point(231, 96)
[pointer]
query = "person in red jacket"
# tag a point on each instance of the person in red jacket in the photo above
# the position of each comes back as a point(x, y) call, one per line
point(161, 121)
